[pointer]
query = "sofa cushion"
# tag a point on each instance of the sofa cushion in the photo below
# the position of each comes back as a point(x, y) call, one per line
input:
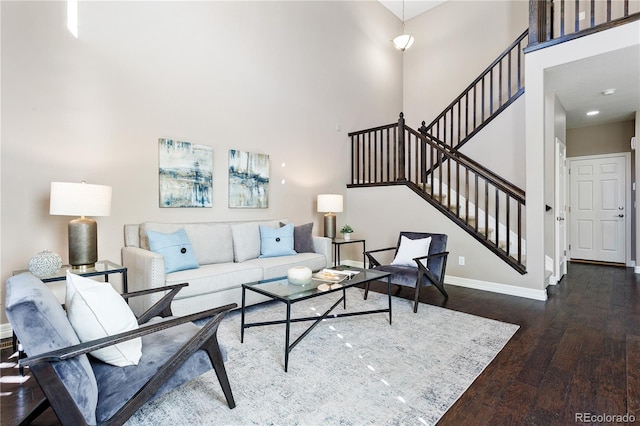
point(276, 242)
point(176, 249)
point(213, 278)
point(96, 310)
point(302, 238)
point(211, 242)
point(246, 239)
point(42, 326)
point(275, 267)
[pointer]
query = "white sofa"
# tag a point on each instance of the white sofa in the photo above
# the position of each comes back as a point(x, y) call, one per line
point(227, 254)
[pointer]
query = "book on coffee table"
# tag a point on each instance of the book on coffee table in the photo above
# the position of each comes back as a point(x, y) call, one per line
point(334, 275)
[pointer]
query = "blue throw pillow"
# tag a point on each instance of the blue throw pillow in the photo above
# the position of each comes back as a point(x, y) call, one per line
point(276, 242)
point(176, 249)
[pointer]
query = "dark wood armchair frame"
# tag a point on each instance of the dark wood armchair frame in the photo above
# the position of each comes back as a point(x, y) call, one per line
point(57, 396)
point(422, 272)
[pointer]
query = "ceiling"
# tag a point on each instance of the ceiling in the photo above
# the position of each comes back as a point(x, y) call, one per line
point(578, 85)
point(412, 8)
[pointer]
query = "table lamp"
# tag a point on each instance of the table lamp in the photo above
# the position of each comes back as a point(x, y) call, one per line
point(330, 204)
point(81, 199)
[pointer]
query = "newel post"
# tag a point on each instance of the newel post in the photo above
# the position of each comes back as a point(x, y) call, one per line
point(401, 150)
point(540, 12)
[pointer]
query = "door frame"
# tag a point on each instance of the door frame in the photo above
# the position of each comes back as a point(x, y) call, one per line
point(627, 193)
point(560, 253)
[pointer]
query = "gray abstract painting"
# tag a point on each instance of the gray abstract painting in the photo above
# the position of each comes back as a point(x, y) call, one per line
point(248, 180)
point(186, 174)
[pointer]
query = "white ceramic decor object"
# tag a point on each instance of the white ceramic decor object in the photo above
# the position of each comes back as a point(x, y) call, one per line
point(299, 275)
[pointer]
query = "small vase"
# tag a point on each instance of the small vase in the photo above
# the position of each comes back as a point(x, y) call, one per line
point(44, 263)
point(347, 236)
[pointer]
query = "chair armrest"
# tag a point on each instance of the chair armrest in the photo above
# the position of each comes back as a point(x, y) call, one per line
point(372, 260)
point(422, 267)
point(145, 270)
point(90, 346)
point(162, 307)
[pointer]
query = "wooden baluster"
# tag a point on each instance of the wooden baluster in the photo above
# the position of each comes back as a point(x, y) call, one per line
point(508, 222)
point(401, 148)
point(497, 223)
point(577, 17)
point(593, 14)
point(509, 75)
point(608, 10)
point(476, 191)
point(562, 18)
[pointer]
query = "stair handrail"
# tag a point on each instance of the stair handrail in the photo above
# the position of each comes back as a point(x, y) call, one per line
point(473, 165)
point(504, 185)
point(396, 154)
point(427, 129)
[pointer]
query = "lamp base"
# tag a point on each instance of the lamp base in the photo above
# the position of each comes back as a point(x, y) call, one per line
point(330, 225)
point(83, 243)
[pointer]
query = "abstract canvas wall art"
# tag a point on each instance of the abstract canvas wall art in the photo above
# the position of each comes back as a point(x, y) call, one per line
point(186, 174)
point(248, 180)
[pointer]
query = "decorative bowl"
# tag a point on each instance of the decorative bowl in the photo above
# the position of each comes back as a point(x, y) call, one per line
point(299, 275)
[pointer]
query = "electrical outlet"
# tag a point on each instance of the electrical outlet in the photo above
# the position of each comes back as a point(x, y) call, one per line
point(582, 16)
point(461, 260)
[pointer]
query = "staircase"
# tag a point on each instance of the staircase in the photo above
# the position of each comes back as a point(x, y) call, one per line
point(497, 87)
point(429, 162)
point(486, 206)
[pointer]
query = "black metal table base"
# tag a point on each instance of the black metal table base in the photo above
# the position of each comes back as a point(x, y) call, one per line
point(316, 320)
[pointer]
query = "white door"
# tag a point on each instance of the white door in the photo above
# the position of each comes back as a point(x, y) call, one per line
point(561, 211)
point(598, 209)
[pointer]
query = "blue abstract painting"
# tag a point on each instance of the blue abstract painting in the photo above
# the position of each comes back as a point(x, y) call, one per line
point(186, 174)
point(248, 180)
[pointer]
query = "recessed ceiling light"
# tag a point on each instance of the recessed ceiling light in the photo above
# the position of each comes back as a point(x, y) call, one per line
point(608, 92)
point(593, 113)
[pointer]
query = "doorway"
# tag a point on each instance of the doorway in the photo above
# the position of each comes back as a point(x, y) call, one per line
point(600, 228)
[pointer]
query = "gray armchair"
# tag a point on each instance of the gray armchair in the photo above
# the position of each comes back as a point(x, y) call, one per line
point(419, 275)
point(82, 389)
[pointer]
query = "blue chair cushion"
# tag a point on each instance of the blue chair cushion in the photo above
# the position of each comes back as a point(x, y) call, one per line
point(157, 348)
point(41, 325)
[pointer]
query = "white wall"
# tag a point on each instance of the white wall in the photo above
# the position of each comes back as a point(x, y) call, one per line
point(637, 192)
point(271, 77)
point(397, 208)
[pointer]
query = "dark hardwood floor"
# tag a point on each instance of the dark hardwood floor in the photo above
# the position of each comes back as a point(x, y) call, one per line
point(575, 355)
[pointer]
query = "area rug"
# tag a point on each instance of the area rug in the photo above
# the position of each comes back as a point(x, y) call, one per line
point(347, 371)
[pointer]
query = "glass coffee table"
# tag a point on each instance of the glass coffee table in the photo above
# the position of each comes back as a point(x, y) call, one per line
point(280, 289)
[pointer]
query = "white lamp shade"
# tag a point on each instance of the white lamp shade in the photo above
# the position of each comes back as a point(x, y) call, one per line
point(403, 42)
point(330, 203)
point(80, 199)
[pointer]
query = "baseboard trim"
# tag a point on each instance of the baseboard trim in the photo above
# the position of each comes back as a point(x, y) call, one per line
point(6, 332)
point(481, 285)
point(497, 288)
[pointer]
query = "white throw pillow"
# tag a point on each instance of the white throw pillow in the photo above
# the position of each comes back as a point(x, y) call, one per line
point(96, 310)
point(410, 249)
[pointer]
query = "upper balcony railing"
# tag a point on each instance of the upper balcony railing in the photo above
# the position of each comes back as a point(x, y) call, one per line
point(556, 21)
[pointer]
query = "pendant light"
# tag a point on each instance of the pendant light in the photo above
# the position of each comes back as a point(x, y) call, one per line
point(403, 41)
